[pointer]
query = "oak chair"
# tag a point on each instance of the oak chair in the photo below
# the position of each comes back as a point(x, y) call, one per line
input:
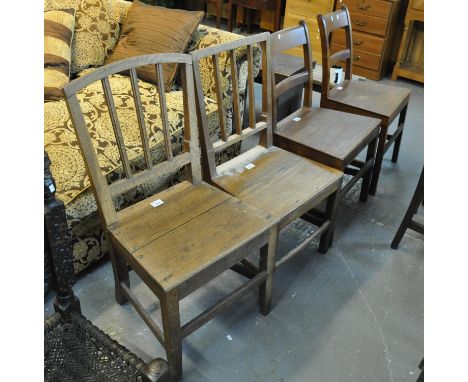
point(327, 136)
point(366, 98)
point(282, 183)
point(178, 239)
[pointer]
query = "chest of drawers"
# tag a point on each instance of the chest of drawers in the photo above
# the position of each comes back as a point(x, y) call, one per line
point(374, 27)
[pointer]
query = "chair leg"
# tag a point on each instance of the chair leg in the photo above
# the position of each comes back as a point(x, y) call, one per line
point(397, 143)
point(410, 212)
point(371, 149)
point(231, 14)
point(378, 158)
point(219, 9)
point(326, 239)
point(172, 334)
point(267, 263)
point(120, 270)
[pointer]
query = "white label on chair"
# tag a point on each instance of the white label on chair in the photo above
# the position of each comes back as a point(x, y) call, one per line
point(279, 37)
point(297, 119)
point(51, 188)
point(249, 166)
point(157, 203)
point(337, 17)
point(340, 87)
point(331, 18)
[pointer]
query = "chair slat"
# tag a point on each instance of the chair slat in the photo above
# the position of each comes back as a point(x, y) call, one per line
point(235, 93)
point(116, 126)
point(219, 98)
point(140, 117)
point(342, 55)
point(250, 86)
point(163, 110)
point(291, 82)
point(124, 185)
point(220, 145)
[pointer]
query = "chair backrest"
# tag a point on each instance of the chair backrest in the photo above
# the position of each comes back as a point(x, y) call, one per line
point(283, 40)
point(262, 127)
point(103, 191)
point(327, 24)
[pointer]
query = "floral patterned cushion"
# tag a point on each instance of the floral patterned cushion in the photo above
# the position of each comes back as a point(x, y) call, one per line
point(97, 29)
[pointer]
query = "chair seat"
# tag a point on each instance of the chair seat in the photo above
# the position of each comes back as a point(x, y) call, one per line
point(328, 136)
point(268, 185)
point(194, 229)
point(381, 100)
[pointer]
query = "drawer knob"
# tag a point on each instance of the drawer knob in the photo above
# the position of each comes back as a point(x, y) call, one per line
point(361, 23)
point(364, 6)
point(356, 58)
point(358, 42)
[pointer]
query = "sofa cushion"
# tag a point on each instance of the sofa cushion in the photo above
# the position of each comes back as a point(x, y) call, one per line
point(151, 29)
point(58, 34)
point(97, 29)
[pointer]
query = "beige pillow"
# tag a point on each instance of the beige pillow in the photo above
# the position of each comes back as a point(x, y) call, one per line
point(151, 29)
point(58, 34)
point(97, 29)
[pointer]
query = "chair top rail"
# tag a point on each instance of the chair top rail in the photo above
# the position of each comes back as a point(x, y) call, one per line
point(335, 20)
point(116, 67)
point(288, 38)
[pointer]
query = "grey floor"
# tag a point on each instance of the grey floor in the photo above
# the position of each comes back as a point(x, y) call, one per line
point(355, 314)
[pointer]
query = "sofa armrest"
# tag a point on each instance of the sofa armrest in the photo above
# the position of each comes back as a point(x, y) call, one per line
point(206, 37)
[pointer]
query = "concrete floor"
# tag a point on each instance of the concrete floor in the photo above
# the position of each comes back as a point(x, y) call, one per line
point(355, 314)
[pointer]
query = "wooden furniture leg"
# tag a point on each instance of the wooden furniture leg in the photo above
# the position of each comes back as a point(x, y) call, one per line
point(326, 239)
point(408, 221)
point(172, 334)
point(379, 158)
point(267, 263)
point(219, 9)
point(396, 146)
point(120, 270)
point(231, 15)
point(366, 180)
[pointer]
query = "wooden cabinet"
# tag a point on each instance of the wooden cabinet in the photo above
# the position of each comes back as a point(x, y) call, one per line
point(307, 10)
point(410, 61)
point(374, 26)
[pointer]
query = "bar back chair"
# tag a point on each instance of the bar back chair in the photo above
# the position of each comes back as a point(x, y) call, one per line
point(327, 136)
point(178, 239)
point(282, 183)
point(361, 97)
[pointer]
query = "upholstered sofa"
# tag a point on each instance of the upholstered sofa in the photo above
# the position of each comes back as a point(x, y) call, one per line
point(60, 142)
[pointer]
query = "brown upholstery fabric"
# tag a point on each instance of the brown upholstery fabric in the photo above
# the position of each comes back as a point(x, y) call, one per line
point(151, 29)
point(58, 34)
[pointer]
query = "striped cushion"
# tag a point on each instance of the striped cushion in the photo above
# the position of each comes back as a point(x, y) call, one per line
point(151, 29)
point(58, 34)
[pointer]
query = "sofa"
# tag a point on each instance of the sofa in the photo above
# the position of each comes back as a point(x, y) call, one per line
point(101, 29)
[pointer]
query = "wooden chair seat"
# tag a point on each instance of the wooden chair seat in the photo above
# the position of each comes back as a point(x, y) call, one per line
point(268, 185)
point(370, 97)
point(331, 137)
point(174, 241)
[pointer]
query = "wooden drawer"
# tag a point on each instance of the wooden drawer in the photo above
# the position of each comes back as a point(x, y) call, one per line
point(365, 42)
point(377, 8)
point(309, 8)
point(369, 24)
point(360, 58)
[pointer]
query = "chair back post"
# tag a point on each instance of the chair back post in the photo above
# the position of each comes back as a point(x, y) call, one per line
point(287, 39)
point(190, 157)
point(327, 24)
point(226, 138)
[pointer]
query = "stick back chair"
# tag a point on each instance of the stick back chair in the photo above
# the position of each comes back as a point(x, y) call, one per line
point(327, 136)
point(361, 97)
point(178, 239)
point(272, 179)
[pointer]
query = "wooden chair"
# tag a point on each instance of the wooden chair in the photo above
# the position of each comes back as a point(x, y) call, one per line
point(327, 136)
point(282, 183)
point(219, 10)
point(366, 98)
point(191, 233)
point(408, 221)
point(254, 5)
